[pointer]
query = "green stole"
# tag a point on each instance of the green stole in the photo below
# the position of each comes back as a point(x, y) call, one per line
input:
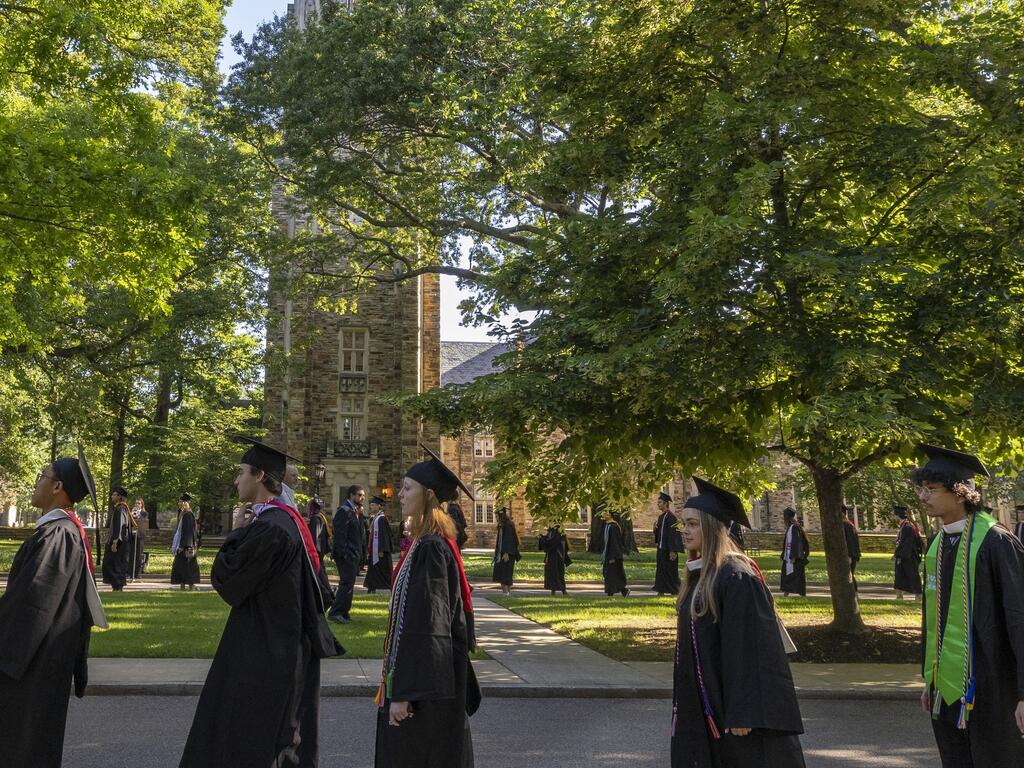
point(952, 673)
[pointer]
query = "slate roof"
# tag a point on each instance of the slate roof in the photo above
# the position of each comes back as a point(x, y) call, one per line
point(464, 361)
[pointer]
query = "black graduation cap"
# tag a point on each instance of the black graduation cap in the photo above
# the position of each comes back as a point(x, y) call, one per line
point(435, 475)
point(664, 497)
point(119, 490)
point(261, 456)
point(719, 503)
point(90, 484)
point(899, 510)
point(378, 500)
point(961, 466)
point(185, 497)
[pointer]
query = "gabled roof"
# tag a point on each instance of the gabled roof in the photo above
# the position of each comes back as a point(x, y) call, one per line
point(464, 361)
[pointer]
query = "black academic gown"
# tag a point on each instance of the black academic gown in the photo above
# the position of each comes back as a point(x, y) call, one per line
point(44, 643)
point(747, 679)
point(432, 669)
point(321, 536)
point(668, 541)
point(185, 570)
point(852, 548)
point(554, 546)
point(378, 575)
point(455, 511)
point(507, 544)
point(800, 551)
point(139, 534)
point(907, 577)
point(992, 738)
point(117, 565)
point(363, 557)
point(736, 534)
point(614, 572)
point(260, 705)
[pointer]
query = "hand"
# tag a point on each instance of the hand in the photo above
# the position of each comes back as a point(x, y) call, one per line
point(738, 731)
point(504, 558)
point(673, 556)
point(113, 546)
point(1019, 715)
point(398, 712)
point(240, 518)
point(926, 703)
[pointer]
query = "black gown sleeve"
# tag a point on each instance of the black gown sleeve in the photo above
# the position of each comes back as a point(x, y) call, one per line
point(756, 681)
point(614, 543)
point(36, 586)
point(1006, 561)
point(249, 558)
point(424, 662)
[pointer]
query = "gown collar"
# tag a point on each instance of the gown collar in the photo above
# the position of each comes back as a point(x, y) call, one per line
point(953, 528)
point(49, 517)
point(695, 565)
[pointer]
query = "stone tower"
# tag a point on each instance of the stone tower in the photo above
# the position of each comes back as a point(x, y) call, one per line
point(325, 370)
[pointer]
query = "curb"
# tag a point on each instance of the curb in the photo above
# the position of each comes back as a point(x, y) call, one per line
point(514, 691)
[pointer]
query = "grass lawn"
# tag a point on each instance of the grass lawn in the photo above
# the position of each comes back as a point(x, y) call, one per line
point(874, 567)
point(644, 628)
point(160, 558)
point(189, 625)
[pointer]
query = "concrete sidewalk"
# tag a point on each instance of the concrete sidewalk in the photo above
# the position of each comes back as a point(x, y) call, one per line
point(527, 660)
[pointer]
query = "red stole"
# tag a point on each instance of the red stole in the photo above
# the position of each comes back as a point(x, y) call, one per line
point(303, 526)
point(85, 539)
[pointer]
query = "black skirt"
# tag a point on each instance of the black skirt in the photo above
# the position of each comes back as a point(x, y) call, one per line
point(185, 570)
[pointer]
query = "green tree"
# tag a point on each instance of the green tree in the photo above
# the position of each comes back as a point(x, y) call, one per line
point(130, 228)
point(746, 227)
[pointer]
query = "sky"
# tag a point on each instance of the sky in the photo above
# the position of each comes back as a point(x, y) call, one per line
point(245, 16)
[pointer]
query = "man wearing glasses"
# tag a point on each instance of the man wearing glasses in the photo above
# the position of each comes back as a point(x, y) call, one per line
point(973, 620)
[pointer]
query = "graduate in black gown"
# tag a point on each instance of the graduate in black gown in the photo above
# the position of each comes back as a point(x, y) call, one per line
point(428, 690)
point(119, 548)
point(379, 548)
point(736, 534)
point(613, 557)
point(796, 551)
point(555, 547)
point(320, 530)
point(973, 620)
point(455, 512)
point(260, 705)
point(852, 543)
point(506, 552)
point(1018, 526)
point(733, 701)
point(909, 549)
point(668, 543)
point(46, 616)
point(139, 534)
point(185, 546)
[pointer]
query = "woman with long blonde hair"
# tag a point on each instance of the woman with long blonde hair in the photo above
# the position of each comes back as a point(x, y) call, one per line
point(733, 703)
point(428, 689)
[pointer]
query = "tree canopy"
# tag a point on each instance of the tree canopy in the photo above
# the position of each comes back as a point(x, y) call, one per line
point(130, 229)
point(746, 227)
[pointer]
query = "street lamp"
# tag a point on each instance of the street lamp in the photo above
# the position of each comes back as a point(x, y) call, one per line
point(320, 472)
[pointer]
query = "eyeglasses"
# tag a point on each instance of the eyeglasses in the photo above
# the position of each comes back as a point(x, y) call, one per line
point(43, 474)
point(926, 491)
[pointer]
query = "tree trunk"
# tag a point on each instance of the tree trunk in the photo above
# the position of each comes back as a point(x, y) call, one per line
point(155, 465)
point(117, 448)
point(828, 487)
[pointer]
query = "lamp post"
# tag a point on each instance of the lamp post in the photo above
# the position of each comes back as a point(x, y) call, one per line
point(320, 471)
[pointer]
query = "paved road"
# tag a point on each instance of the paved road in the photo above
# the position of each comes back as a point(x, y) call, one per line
point(508, 733)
